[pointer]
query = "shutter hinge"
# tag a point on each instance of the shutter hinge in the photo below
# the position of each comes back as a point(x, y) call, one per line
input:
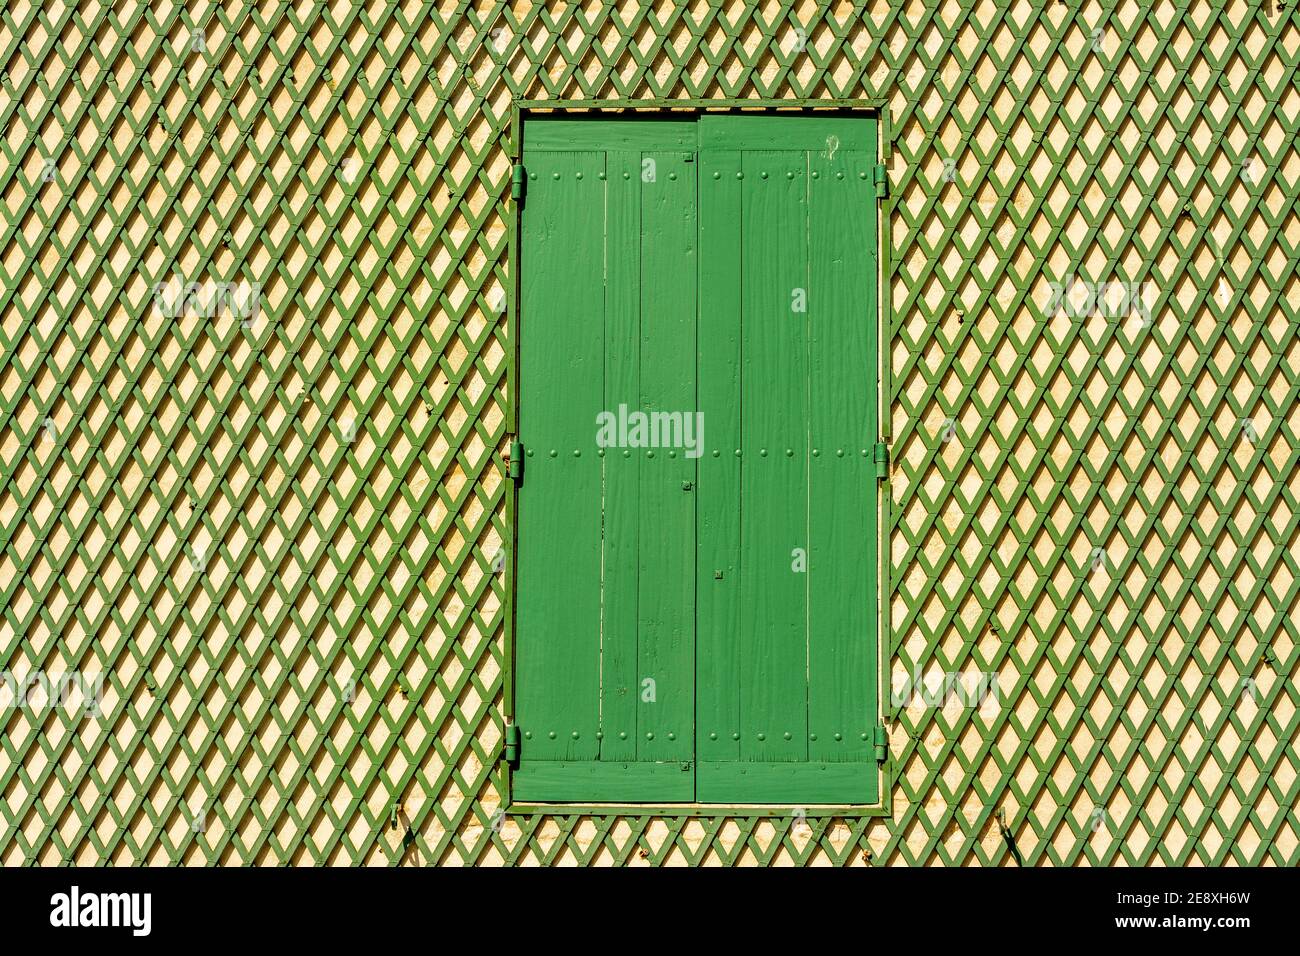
point(882, 183)
point(516, 460)
point(511, 754)
point(882, 743)
point(517, 183)
point(882, 461)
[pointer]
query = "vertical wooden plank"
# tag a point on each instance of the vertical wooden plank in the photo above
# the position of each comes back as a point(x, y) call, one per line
point(666, 650)
point(774, 664)
point(622, 491)
point(718, 573)
point(842, 485)
point(561, 390)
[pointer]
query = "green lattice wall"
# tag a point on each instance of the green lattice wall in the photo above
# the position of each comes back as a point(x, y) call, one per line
point(301, 635)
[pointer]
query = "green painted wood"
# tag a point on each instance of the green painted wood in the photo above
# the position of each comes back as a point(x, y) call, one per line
point(718, 572)
point(791, 131)
point(789, 782)
point(666, 595)
point(842, 513)
point(562, 347)
point(611, 328)
point(731, 564)
point(799, 269)
point(622, 488)
point(774, 439)
point(591, 132)
point(606, 781)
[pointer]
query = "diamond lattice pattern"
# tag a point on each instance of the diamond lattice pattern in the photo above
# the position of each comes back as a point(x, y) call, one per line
point(275, 538)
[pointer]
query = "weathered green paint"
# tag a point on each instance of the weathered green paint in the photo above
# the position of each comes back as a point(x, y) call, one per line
point(719, 608)
point(665, 587)
point(559, 543)
point(795, 689)
point(605, 623)
point(716, 640)
point(619, 697)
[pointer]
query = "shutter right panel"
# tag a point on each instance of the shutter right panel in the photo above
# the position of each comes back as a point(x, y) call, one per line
point(842, 488)
point(788, 698)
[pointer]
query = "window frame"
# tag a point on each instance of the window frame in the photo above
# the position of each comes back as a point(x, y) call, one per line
point(521, 111)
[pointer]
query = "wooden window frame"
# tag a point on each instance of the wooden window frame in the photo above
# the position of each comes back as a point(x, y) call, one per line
point(523, 110)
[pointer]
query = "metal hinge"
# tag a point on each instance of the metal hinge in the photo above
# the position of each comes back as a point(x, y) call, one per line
point(882, 461)
point(517, 184)
point(882, 743)
point(511, 754)
point(882, 183)
point(516, 459)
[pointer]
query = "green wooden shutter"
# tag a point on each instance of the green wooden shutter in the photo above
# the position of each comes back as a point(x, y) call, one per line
point(787, 585)
point(699, 628)
point(605, 605)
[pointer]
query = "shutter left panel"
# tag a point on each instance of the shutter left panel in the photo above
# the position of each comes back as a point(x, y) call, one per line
point(604, 320)
point(561, 390)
